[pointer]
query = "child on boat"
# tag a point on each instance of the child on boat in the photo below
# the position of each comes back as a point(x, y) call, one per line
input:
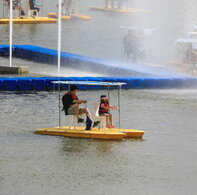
point(104, 110)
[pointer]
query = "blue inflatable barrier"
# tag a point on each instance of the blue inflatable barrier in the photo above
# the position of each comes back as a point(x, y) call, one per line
point(24, 84)
point(109, 79)
point(45, 83)
point(136, 83)
point(4, 50)
point(165, 83)
point(191, 82)
point(123, 80)
point(151, 83)
point(10, 84)
point(37, 54)
point(81, 87)
point(1, 85)
point(65, 87)
point(178, 83)
point(38, 84)
point(49, 85)
point(94, 87)
point(1, 51)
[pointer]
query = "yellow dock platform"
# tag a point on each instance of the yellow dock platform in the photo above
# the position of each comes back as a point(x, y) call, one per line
point(109, 9)
point(95, 133)
point(28, 20)
point(79, 16)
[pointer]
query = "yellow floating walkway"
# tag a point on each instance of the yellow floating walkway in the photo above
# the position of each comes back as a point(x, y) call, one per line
point(79, 132)
point(28, 20)
point(109, 9)
point(82, 17)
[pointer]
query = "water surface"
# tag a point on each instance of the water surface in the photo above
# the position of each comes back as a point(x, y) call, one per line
point(163, 163)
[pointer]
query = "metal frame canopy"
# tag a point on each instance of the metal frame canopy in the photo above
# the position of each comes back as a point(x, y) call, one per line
point(91, 83)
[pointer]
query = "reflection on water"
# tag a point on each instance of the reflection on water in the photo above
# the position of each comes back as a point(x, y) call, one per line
point(77, 145)
point(73, 146)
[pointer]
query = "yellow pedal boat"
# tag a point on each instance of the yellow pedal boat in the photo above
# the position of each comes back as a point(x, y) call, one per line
point(95, 133)
point(109, 9)
point(79, 16)
point(28, 20)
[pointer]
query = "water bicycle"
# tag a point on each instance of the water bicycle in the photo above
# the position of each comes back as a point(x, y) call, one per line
point(28, 20)
point(67, 17)
point(100, 132)
point(118, 10)
point(30, 15)
point(117, 6)
point(185, 54)
point(69, 10)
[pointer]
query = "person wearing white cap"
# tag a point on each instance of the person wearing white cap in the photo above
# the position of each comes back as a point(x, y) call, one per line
point(104, 110)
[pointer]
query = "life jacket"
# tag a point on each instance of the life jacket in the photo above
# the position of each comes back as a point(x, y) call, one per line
point(103, 110)
point(74, 97)
point(67, 105)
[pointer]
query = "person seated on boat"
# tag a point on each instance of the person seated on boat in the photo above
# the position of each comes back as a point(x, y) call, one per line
point(115, 4)
point(104, 109)
point(110, 3)
point(67, 7)
point(34, 5)
point(16, 6)
point(8, 2)
point(62, 7)
point(131, 45)
point(122, 4)
point(71, 104)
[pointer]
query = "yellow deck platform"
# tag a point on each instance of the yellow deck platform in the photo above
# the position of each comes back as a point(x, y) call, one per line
point(82, 17)
point(130, 133)
point(28, 20)
point(108, 9)
point(79, 132)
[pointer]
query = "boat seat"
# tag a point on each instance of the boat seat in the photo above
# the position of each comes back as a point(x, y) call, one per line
point(102, 119)
point(71, 121)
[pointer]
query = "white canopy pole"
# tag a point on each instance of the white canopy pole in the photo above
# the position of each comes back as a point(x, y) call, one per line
point(59, 51)
point(59, 34)
point(3, 8)
point(42, 8)
point(119, 88)
point(11, 25)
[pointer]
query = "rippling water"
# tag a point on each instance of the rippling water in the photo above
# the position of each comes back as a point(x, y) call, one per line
point(163, 163)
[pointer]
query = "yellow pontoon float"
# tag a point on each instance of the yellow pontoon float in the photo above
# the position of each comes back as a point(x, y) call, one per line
point(28, 20)
point(64, 17)
point(94, 133)
point(119, 10)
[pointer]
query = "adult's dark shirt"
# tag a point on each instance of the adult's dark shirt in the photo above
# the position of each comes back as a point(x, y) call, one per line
point(67, 101)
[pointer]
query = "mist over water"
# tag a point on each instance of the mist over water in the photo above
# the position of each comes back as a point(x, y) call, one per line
point(102, 36)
